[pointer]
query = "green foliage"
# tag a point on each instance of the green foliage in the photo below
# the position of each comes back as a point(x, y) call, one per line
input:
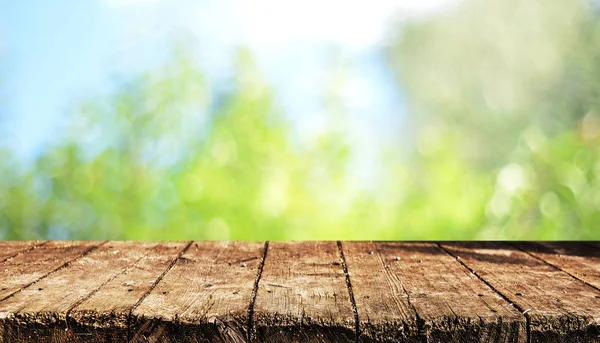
point(510, 90)
point(503, 112)
point(155, 161)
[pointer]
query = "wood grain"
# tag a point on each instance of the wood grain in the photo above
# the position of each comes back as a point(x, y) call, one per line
point(385, 314)
point(104, 316)
point(302, 295)
point(452, 305)
point(62, 291)
point(559, 308)
point(41, 310)
point(32, 265)
point(204, 298)
point(10, 249)
point(580, 260)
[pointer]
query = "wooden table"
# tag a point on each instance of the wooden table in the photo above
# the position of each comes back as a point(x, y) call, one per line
point(65, 291)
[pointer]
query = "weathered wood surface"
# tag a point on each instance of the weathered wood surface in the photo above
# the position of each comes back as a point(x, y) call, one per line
point(299, 292)
point(24, 269)
point(558, 307)
point(450, 303)
point(390, 318)
point(10, 249)
point(203, 298)
point(580, 260)
point(302, 295)
point(100, 317)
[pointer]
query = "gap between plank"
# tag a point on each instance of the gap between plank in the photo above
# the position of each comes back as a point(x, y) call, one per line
point(250, 329)
point(24, 251)
point(492, 288)
point(553, 266)
point(159, 279)
point(64, 265)
point(350, 291)
point(78, 302)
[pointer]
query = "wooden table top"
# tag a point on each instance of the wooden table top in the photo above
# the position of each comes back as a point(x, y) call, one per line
point(91, 291)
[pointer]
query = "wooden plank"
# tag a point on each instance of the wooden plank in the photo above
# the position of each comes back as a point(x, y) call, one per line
point(41, 310)
point(9, 249)
point(30, 266)
point(203, 298)
point(578, 259)
point(160, 292)
point(452, 304)
point(302, 295)
point(104, 317)
point(559, 308)
point(385, 314)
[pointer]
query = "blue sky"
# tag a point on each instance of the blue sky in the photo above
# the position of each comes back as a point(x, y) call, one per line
point(54, 53)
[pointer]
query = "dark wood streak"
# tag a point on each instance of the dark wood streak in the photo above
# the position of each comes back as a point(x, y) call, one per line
point(350, 292)
point(251, 332)
point(11, 249)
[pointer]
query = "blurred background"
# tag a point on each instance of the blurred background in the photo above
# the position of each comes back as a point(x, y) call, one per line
point(266, 119)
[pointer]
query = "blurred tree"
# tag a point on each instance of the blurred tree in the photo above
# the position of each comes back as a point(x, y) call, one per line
point(154, 160)
point(512, 86)
point(503, 110)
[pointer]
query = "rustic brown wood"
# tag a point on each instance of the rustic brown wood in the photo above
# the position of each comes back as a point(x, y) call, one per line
point(203, 298)
point(559, 308)
point(32, 265)
point(303, 296)
point(580, 260)
point(9, 249)
point(452, 304)
point(41, 310)
point(388, 318)
point(299, 292)
point(104, 316)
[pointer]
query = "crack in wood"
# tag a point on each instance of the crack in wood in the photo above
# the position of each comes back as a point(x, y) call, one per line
point(350, 291)
point(554, 266)
point(64, 265)
point(512, 303)
point(94, 291)
point(153, 287)
point(250, 329)
point(531, 328)
point(24, 251)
